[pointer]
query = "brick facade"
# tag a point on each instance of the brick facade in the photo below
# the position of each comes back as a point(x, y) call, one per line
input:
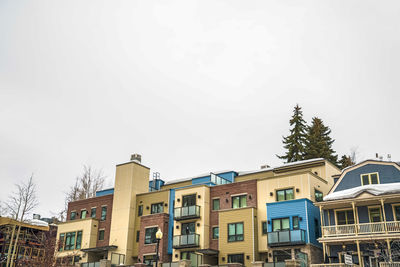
point(160, 220)
point(224, 193)
point(98, 203)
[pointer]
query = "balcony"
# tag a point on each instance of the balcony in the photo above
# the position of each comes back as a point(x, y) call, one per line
point(184, 213)
point(361, 229)
point(186, 241)
point(286, 238)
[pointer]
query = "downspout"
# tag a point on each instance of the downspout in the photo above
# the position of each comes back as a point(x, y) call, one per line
point(252, 219)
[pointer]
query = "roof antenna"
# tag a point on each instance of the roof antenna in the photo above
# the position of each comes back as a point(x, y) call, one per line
point(389, 157)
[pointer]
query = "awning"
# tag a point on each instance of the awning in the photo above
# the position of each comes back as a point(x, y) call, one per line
point(99, 249)
point(208, 251)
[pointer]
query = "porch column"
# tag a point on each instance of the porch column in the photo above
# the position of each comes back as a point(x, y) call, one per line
point(389, 249)
point(324, 251)
point(359, 253)
point(355, 217)
point(322, 220)
point(384, 214)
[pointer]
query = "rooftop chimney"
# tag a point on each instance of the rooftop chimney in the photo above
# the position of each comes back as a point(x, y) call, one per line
point(136, 158)
point(265, 166)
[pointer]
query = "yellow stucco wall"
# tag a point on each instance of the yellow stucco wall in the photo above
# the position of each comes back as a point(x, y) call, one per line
point(204, 220)
point(146, 200)
point(130, 179)
point(249, 245)
point(89, 228)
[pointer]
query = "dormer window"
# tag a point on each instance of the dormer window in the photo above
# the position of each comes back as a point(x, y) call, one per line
point(369, 178)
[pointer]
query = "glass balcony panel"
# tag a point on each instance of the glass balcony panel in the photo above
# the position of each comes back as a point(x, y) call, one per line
point(284, 236)
point(273, 237)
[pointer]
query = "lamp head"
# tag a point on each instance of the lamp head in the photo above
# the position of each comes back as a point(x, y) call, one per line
point(159, 234)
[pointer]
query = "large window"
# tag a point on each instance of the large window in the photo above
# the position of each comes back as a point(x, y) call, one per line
point(157, 208)
point(236, 258)
point(140, 210)
point(150, 235)
point(235, 232)
point(281, 224)
point(61, 242)
point(344, 217)
point(70, 241)
point(318, 196)
point(284, 194)
point(93, 213)
point(188, 201)
point(188, 228)
point(73, 215)
point(239, 201)
point(375, 214)
point(396, 211)
point(264, 228)
point(137, 236)
point(215, 233)
point(215, 204)
point(369, 178)
point(296, 224)
point(103, 213)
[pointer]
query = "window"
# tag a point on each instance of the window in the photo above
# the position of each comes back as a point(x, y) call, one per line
point(344, 217)
point(137, 236)
point(73, 215)
point(318, 195)
point(93, 213)
point(73, 240)
point(264, 228)
point(103, 213)
point(188, 201)
point(215, 233)
point(369, 178)
point(316, 225)
point(150, 235)
point(157, 208)
point(296, 225)
point(285, 194)
point(78, 240)
point(236, 258)
point(188, 228)
point(375, 214)
point(235, 232)
point(216, 204)
point(140, 210)
point(83, 214)
point(149, 260)
point(396, 212)
point(101, 234)
point(281, 224)
point(239, 201)
point(61, 242)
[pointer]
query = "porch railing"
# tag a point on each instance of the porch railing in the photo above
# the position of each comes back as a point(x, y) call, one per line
point(389, 264)
point(335, 265)
point(360, 229)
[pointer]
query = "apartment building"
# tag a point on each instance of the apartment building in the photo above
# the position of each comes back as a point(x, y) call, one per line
point(361, 214)
point(214, 218)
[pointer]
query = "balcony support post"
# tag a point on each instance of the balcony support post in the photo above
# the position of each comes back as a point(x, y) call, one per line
point(355, 217)
point(359, 253)
point(324, 251)
point(322, 220)
point(389, 249)
point(384, 215)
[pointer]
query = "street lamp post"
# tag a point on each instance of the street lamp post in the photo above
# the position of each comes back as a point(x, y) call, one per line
point(159, 235)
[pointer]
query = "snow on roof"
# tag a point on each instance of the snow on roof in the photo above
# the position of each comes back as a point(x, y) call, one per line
point(37, 222)
point(282, 166)
point(374, 189)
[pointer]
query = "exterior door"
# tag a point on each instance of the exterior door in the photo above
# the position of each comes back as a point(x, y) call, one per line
point(189, 200)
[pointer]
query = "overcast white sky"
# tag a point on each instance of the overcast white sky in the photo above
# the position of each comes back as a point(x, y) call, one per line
point(193, 86)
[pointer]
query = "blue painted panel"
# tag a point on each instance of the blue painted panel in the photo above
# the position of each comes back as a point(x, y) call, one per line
point(201, 180)
point(105, 192)
point(304, 208)
point(155, 185)
point(171, 219)
point(387, 174)
point(332, 216)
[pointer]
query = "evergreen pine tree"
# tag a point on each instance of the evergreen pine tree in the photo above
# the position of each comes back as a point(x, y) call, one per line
point(319, 143)
point(345, 162)
point(294, 142)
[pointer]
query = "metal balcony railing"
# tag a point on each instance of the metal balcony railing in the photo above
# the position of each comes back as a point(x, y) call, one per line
point(190, 212)
point(186, 241)
point(286, 237)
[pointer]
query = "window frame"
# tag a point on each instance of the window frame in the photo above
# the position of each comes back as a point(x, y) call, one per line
point(236, 239)
point(137, 236)
point(241, 196)
point(394, 211)
point(215, 237)
point(339, 210)
point(160, 204)
point(264, 230)
point(77, 237)
point(103, 217)
point(235, 255)
point(285, 195)
point(103, 231)
point(315, 195)
point(146, 242)
point(280, 219)
point(140, 210)
point(369, 178)
point(380, 213)
point(72, 217)
point(91, 212)
point(298, 222)
point(219, 204)
point(83, 211)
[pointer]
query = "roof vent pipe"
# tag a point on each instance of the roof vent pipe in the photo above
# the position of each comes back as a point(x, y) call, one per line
point(136, 158)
